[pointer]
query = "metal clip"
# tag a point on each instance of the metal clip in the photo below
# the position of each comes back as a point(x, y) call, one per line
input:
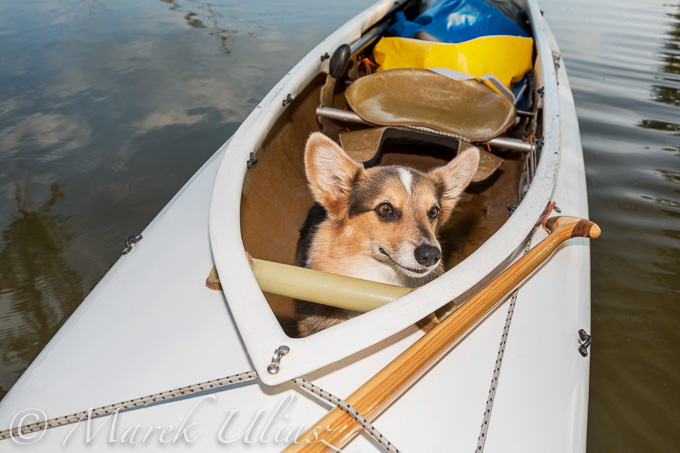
point(130, 241)
point(512, 207)
point(556, 59)
point(251, 161)
point(275, 366)
point(288, 100)
point(586, 340)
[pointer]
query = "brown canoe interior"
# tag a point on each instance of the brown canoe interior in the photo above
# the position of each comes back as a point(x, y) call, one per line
point(276, 198)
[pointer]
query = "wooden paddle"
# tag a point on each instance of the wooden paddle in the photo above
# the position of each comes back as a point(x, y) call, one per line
point(337, 428)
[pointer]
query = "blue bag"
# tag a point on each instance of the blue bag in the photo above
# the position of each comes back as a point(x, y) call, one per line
point(456, 21)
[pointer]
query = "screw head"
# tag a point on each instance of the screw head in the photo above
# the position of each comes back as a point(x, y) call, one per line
point(273, 369)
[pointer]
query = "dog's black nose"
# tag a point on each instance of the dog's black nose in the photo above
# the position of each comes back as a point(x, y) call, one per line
point(427, 254)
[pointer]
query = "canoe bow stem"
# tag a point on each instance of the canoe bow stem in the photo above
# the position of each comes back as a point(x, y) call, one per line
point(338, 428)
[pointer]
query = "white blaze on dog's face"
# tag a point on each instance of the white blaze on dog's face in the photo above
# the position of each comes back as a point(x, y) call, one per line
point(391, 213)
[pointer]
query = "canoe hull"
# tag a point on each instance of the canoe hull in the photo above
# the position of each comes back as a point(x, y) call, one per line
point(151, 325)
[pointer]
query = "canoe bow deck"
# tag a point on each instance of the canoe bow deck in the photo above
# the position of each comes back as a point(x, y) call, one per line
point(167, 330)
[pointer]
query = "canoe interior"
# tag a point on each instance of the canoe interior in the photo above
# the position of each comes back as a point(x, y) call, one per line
point(276, 198)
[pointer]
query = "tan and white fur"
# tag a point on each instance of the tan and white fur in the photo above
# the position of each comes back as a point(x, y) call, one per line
point(377, 224)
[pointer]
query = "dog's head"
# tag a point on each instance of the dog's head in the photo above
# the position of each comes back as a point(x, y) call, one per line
point(392, 212)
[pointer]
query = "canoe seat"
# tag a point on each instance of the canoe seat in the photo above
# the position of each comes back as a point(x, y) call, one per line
point(469, 108)
point(365, 146)
point(449, 102)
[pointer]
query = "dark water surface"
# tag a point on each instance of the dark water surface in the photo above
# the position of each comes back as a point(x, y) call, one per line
point(623, 59)
point(107, 108)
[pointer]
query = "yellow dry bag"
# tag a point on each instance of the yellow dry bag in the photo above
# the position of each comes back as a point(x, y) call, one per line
point(506, 57)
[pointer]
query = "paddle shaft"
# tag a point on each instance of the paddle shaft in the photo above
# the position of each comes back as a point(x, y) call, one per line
point(337, 428)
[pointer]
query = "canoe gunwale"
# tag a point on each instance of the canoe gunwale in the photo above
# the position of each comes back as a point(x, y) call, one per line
point(258, 326)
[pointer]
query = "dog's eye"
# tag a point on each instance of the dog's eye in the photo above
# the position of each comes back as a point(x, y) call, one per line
point(384, 209)
point(434, 212)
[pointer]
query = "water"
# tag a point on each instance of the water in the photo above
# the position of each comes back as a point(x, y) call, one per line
point(107, 108)
point(623, 60)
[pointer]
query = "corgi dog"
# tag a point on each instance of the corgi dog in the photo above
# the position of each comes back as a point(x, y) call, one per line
point(377, 224)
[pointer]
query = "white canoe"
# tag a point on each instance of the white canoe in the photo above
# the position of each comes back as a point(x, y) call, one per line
point(151, 325)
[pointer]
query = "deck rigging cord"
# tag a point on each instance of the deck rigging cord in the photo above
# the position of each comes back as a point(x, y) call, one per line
point(351, 411)
point(180, 392)
point(499, 361)
point(484, 428)
point(128, 405)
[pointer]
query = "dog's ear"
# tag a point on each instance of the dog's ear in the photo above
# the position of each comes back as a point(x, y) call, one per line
point(331, 174)
point(453, 178)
